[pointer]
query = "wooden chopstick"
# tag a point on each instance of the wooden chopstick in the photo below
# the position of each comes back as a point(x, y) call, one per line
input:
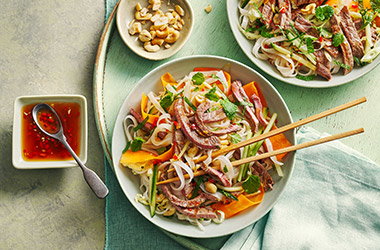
point(276, 152)
point(283, 129)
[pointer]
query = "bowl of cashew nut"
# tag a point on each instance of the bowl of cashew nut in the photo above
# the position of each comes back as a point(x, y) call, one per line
point(154, 29)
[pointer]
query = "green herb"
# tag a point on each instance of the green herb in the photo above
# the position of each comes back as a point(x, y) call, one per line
point(196, 89)
point(323, 32)
point(264, 32)
point(198, 182)
point(228, 194)
point(375, 5)
point(338, 38)
point(367, 17)
point(167, 100)
point(214, 76)
point(225, 169)
point(190, 104)
point(198, 78)
point(305, 78)
point(235, 138)
point(342, 65)
point(141, 124)
point(211, 95)
point(245, 2)
point(309, 45)
point(324, 12)
point(127, 147)
point(251, 184)
point(244, 103)
point(160, 151)
point(358, 62)
point(229, 108)
point(136, 144)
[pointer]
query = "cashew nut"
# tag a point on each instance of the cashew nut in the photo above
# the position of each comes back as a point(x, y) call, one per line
point(162, 33)
point(208, 8)
point(158, 41)
point(151, 48)
point(179, 10)
point(153, 34)
point(138, 7)
point(135, 28)
point(139, 15)
point(145, 36)
point(172, 37)
point(210, 187)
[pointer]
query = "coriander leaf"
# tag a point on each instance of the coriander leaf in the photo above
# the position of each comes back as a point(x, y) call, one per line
point(235, 138)
point(198, 182)
point(127, 147)
point(229, 108)
point(309, 45)
point(167, 100)
point(190, 104)
point(244, 103)
point(342, 65)
point(198, 78)
point(338, 38)
point(141, 124)
point(211, 95)
point(324, 12)
point(225, 169)
point(323, 32)
point(228, 194)
point(251, 184)
point(136, 144)
point(305, 78)
point(213, 76)
point(367, 17)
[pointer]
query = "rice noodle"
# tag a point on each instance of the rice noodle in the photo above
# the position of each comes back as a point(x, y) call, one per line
point(155, 103)
point(178, 166)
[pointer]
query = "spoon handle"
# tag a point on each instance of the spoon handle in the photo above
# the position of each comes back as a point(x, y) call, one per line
point(92, 179)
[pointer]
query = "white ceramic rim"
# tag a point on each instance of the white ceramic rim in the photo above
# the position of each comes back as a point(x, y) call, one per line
point(17, 159)
point(153, 56)
point(196, 232)
point(337, 80)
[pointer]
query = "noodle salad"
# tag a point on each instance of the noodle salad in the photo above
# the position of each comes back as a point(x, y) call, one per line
point(192, 118)
point(304, 38)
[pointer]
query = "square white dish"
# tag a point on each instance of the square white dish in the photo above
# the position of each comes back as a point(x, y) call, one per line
point(18, 161)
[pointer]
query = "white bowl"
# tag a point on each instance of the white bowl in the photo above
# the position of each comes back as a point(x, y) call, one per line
point(179, 68)
point(17, 159)
point(125, 14)
point(246, 45)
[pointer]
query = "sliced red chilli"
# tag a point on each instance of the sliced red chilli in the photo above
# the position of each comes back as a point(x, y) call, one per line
point(211, 142)
point(197, 213)
point(351, 33)
point(348, 58)
point(259, 109)
point(196, 202)
point(219, 175)
point(147, 126)
point(241, 97)
point(323, 64)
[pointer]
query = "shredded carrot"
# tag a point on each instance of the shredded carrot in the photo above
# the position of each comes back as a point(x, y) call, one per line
point(167, 78)
point(243, 202)
point(253, 88)
point(141, 156)
point(278, 142)
point(152, 118)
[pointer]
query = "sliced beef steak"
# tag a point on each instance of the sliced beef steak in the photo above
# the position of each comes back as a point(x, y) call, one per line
point(351, 33)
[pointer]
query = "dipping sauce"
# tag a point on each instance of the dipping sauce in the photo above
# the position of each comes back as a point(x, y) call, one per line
point(37, 146)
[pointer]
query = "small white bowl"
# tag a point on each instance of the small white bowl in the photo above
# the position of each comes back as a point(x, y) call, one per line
point(126, 13)
point(17, 159)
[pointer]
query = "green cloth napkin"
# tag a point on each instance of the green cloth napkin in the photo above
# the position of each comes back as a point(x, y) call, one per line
point(331, 201)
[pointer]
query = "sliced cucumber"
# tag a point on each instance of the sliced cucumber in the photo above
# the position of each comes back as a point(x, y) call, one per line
point(153, 191)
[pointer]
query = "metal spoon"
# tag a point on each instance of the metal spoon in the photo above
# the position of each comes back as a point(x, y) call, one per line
point(92, 179)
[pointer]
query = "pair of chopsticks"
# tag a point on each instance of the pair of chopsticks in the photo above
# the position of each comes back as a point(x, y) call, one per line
point(279, 131)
